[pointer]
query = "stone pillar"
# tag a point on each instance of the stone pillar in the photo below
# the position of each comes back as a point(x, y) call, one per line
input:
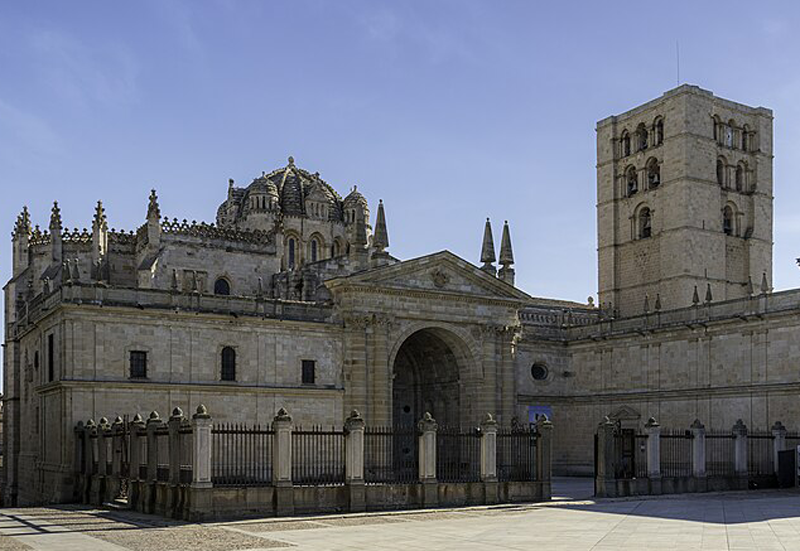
point(740, 453)
point(154, 422)
point(103, 433)
point(544, 456)
point(699, 455)
point(201, 448)
point(174, 426)
point(653, 431)
point(489, 459)
point(778, 442)
point(605, 477)
point(116, 447)
point(282, 463)
point(137, 429)
point(354, 461)
point(89, 441)
point(427, 460)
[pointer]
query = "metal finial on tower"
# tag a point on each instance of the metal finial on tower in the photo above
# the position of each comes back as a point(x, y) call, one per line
point(487, 249)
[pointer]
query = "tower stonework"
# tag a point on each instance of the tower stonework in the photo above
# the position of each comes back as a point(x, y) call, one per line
point(684, 200)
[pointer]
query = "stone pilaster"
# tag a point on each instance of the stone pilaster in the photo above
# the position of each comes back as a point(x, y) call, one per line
point(489, 458)
point(201, 448)
point(778, 442)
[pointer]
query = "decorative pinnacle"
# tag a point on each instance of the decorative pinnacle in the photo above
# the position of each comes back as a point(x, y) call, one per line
point(23, 225)
point(658, 302)
point(695, 297)
point(291, 160)
point(709, 297)
point(55, 218)
point(764, 284)
point(380, 239)
point(506, 254)
point(153, 210)
point(487, 249)
point(201, 413)
point(100, 222)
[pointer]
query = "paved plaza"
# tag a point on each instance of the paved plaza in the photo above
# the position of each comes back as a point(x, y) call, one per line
point(741, 520)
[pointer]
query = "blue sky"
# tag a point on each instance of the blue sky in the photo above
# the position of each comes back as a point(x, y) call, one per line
point(450, 111)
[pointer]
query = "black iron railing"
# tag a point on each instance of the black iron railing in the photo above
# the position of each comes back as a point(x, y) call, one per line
point(516, 454)
point(720, 454)
point(458, 455)
point(391, 455)
point(676, 453)
point(760, 450)
point(240, 455)
point(318, 456)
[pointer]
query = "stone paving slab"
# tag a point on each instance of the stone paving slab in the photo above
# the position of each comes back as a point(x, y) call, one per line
point(743, 520)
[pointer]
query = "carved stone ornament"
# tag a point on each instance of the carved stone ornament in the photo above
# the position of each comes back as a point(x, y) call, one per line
point(440, 278)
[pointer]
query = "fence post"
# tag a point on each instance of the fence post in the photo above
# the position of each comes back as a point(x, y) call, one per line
point(103, 433)
point(79, 467)
point(605, 477)
point(174, 425)
point(354, 461)
point(740, 453)
point(489, 460)
point(116, 459)
point(201, 448)
point(154, 422)
point(135, 489)
point(427, 460)
point(282, 463)
point(778, 442)
point(699, 455)
point(653, 431)
point(90, 438)
point(544, 456)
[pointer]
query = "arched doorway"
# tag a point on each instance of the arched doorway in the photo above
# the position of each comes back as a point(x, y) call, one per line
point(427, 377)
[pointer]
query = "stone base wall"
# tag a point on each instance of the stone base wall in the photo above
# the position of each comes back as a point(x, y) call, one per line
point(674, 485)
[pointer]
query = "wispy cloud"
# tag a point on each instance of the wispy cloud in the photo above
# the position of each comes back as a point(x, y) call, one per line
point(82, 74)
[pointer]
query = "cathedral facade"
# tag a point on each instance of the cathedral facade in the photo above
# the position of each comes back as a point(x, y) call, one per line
point(291, 299)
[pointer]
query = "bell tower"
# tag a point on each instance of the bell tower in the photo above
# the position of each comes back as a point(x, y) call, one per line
point(684, 201)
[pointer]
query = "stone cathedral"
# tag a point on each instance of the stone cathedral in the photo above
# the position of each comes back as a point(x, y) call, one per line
point(291, 298)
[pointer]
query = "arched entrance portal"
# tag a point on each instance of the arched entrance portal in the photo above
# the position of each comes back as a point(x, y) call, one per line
point(427, 371)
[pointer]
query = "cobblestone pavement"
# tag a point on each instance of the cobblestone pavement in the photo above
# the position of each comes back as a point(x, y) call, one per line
point(742, 520)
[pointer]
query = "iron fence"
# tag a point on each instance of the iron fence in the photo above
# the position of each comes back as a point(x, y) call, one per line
point(391, 455)
point(318, 456)
point(676, 453)
point(625, 453)
point(458, 455)
point(640, 456)
point(792, 440)
point(720, 454)
point(760, 448)
point(186, 453)
point(240, 455)
point(516, 455)
point(162, 448)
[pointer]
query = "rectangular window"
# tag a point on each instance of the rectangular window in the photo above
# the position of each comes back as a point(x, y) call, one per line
point(309, 367)
point(138, 364)
point(51, 357)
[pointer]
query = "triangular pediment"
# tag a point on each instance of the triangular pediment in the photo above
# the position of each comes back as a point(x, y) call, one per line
point(441, 272)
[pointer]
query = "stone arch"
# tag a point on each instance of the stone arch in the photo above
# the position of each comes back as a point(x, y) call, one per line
point(431, 367)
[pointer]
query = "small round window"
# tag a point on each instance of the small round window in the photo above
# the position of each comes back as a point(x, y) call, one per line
point(539, 372)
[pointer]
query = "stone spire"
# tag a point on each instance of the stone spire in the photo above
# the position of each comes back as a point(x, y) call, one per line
point(100, 222)
point(764, 284)
point(506, 272)
point(487, 249)
point(21, 238)
point(23, 226)
point(709, 296)
point(153, 210)
point(153, 222)
point(380, 239)
point(55, 233)
point(99, 242)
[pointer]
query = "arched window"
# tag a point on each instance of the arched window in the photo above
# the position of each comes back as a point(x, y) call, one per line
point(727, 220)
point(314, 249)
point(721, 172)
point(291, 253)
point(740, 176)
point(228, 371)
point(222, 287)
point(632, 178)
point(653, 174)
point(626, 143)
point(729, 134)
point(659, 131)
point(645, 223)
point(745, 138)
point(641, 136)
